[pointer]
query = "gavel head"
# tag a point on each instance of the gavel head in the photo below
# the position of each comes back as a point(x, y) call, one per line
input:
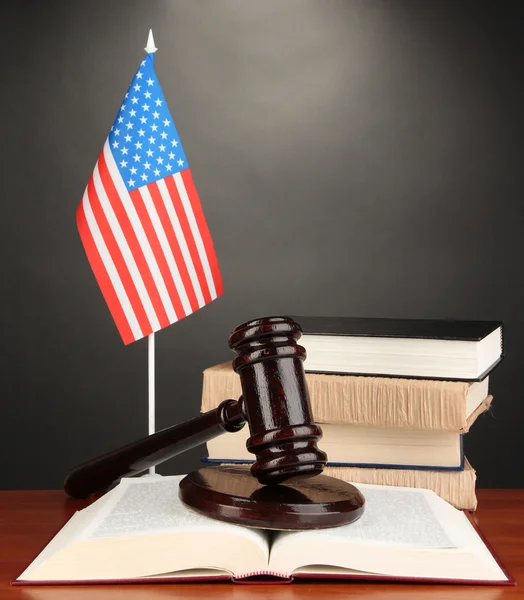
point(276, 400)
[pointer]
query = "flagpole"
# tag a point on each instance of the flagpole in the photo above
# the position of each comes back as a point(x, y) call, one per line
point(151, 387)
point(150, 48)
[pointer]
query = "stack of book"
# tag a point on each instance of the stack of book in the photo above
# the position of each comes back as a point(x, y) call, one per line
point(394, 399)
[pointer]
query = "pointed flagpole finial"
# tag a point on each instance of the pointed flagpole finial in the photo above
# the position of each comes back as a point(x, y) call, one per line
point(150, 47)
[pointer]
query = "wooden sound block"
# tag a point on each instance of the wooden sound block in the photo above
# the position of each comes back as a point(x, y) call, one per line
point(232, 494)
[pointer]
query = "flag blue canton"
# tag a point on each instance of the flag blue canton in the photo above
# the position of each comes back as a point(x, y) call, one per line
point(143, 139)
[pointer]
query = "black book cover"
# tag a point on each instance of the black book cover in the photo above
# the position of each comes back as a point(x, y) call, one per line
point(439, 329)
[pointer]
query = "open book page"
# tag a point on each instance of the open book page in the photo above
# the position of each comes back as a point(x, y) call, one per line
point(403, 532)
point(69, 532)
point(149, 505)
point(142, 529)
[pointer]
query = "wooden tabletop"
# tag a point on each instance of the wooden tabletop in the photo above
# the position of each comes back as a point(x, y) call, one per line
point(29, 519)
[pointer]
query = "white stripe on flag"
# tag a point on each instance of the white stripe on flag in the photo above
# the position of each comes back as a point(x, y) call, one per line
point(196, 232)
point(177, 228)
point(141, 236)
point(124, 249)
point(164, 243)
point(110, 268)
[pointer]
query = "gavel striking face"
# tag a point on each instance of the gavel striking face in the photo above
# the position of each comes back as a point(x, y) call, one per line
point(275, 404)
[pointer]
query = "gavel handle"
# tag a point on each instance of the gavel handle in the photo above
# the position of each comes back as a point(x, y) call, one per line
point(99, 473)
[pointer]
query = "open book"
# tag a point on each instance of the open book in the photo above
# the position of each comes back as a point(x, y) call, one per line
point(140, 530)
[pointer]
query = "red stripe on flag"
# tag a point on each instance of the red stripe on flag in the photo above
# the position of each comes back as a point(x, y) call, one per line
point(174, 244)
point(103, 280)
point(156, 247)
point(188, 235)
point(204, 230)
point(118, 259)
point(133, 243)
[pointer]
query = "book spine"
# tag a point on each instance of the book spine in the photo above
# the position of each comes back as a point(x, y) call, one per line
point(371, 401)
point(263, 573)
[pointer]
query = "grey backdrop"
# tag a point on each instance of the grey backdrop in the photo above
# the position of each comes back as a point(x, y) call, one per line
point(359, 158)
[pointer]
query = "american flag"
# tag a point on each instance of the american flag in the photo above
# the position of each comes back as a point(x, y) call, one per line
point(141, 221)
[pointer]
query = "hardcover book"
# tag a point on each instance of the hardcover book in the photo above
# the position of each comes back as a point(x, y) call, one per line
point(456, 487)
point(430, 349)
point(363, 446)
point(374, 401)
point(141, 532)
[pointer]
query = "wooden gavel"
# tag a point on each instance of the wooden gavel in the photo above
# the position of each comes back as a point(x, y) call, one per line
point(274, 402)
